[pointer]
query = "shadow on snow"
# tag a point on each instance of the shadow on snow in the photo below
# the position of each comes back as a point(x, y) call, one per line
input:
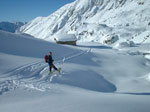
point(86, 80)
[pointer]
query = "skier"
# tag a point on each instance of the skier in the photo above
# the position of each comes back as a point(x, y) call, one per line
point(50, 63)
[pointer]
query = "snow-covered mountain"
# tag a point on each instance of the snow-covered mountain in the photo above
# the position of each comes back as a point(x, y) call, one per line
point(96, 20)
point(93, 77)
point(11, 27)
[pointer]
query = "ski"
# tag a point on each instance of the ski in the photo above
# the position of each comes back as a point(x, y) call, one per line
point(53, 74)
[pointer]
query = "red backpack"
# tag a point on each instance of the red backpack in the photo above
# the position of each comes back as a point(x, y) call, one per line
point(46, 58)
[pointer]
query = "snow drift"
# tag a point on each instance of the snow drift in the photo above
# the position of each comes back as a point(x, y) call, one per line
point(89, 71)
point(13, 45)
point(94, 76)
point(23, 45)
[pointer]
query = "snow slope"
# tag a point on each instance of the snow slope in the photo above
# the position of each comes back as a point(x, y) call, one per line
point(95, 20)
point(24, 45)
point(11, 27)
point(94, 77)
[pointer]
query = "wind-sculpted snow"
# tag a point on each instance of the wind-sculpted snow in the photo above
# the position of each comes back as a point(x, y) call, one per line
point(89, 71)
point(35, 77)
point(26, 46)
point(86, 80)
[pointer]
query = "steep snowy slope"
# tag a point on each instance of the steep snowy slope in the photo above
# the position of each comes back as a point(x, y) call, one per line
point(95, 20)
point(10, 27)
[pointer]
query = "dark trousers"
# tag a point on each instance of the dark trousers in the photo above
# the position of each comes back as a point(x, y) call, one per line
point(51, 65)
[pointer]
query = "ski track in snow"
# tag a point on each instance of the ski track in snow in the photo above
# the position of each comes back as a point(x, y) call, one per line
point(33, 76)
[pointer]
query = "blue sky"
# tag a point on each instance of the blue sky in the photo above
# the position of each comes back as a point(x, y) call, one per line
point(26, 10)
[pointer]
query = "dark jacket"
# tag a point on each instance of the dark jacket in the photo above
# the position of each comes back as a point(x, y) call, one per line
point(50, 59)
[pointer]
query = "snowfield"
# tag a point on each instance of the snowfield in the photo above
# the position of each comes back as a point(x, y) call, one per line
point(108, 70)
point(94, 77)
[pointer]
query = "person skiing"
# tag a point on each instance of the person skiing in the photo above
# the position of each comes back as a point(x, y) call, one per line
point(50, 63)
